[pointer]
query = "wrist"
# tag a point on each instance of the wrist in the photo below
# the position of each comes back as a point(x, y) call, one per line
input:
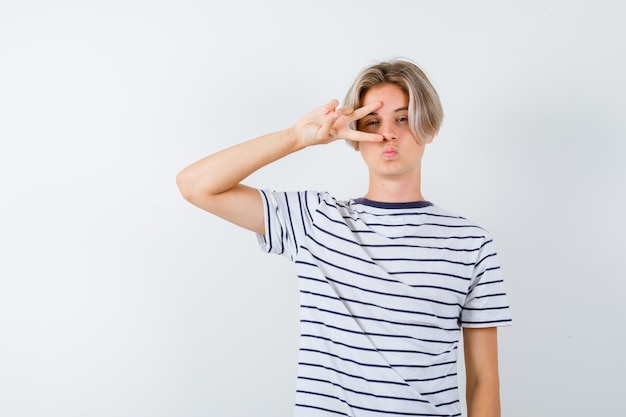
point(291, 136)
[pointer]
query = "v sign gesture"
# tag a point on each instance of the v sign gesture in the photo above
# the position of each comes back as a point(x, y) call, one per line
point(329, 123)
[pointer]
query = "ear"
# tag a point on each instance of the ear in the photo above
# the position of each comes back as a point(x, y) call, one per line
point(429, 140)
point(356, 146)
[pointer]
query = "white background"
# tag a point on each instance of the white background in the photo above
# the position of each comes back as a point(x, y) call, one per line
point(118, 298)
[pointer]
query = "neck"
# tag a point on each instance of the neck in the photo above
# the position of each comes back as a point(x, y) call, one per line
point(394, 190)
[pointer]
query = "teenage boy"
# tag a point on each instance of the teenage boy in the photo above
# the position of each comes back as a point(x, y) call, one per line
point(388, 281)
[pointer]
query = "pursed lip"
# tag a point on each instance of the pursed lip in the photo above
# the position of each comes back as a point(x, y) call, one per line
point(389, 151)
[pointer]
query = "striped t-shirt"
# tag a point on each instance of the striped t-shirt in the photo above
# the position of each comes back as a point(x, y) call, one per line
point(385, 289)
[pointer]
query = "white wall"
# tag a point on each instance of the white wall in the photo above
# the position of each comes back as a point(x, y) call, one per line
point(118, 298)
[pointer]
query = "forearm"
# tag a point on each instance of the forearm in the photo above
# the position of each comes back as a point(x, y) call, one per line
point(483, 397)
point(481, 369)
point(223, 170)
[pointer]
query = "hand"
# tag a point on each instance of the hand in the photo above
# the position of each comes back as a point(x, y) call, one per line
point(329, 123)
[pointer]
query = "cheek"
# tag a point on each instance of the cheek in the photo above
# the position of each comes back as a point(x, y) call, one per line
point(366, 149)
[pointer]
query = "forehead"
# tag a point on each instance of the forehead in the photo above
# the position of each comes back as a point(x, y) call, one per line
point(390, 95)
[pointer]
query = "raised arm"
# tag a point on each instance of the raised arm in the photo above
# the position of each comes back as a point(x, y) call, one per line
point(214, 182)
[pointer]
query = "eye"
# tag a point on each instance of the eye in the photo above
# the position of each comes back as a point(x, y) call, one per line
point(368, 124)
point(403, 119)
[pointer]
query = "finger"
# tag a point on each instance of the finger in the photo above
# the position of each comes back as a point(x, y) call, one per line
point(359, 136)
point(365, 110)
point(345, 110)
point(324, 132)
point(330, 107)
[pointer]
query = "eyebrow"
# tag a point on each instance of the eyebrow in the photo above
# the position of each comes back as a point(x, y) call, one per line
point(395, 111)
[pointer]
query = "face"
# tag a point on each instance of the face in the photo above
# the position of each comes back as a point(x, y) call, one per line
point(399, 154)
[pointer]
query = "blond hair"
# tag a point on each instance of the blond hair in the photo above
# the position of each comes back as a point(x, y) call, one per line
point(425, 111)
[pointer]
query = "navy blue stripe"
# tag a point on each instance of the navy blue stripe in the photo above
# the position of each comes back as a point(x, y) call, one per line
point(339, 222)
point(321, 408)
point(335, 342)
point(422, 340)
point(351, 241)
point(405, 213)
point(410, 213)
point(350, 270)
point(499, 281)
point(388, 205)
point(378, 381)
point(290, 219)
point(361, 332)
point(349, 300)
point(390, 273)
point(440, 274)
point(393, 237)
point(388, 294)
point(490, 255)
point(423, 260)
point(303, 209)
point(332, 355)
point(493, 322)
point(500, 294)
point(316, 280)
point(448, 403)
point(268, 228)
point(440, 391)
point(505, 307)
point(397, 323)
point(366, 349)
point(337, 371)
point(312, 239)
point(451, 375)
point(354, 216)
point(436, 287)
point(451, 226)
point(430, 237)
point(485, 243)
point(403, 224)
point(371, 365)
point(368, 394)
point(395, 245)
point(283, 239)
point(479, 276)
point(388, 412)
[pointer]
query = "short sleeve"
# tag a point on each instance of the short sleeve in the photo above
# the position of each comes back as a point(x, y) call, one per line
point(287, 218)
point(486, 304)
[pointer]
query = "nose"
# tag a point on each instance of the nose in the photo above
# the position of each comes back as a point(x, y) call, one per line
point(388, 130)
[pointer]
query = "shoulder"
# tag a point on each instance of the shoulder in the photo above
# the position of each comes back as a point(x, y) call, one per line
point(461, 225)
point(453, 217)
point(309, 199)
